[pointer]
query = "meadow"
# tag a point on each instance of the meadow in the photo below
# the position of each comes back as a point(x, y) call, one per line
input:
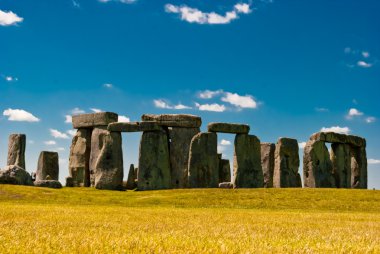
point(85, 220)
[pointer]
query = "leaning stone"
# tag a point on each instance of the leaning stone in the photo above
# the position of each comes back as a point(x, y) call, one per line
point(54, 184)
point(96, 146)
point(340, 156)
point(47, 166)
point(134, 127)
point(180, 139)
point(131, 183)
point(228, 128)
point(359, 174)
point(224, 170)
point(16, 150)
point(174, 120)
point(14, 174)
point(286, 164)
point(95, 119)
point(267, 163)
point(332, 137)
point(203, 161)
point(247, 162)
point(226, 185)
point(154, 161)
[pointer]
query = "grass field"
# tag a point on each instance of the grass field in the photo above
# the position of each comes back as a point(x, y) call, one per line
point(84, 220)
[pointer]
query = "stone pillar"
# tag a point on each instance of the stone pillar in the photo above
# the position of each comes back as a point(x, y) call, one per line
point(286, 164)
point(16, 150)
point(96, 146)
point(340, 156)
point(248, 172)
point(48, 166)
point(203, 161)
point(224, 171)
point(131, 181)
point(267, 163)
point(154, 161)
point(359, 174)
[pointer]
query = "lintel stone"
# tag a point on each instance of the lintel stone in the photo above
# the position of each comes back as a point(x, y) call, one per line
point(228, 128)
point(134, 126)
point(174, 120)
point(95, 119)
point(332, 137)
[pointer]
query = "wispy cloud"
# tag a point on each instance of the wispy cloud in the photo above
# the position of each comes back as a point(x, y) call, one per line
point(370, 119)
point(10, 79)
point(364, 64)
point(68, 119)
point(302, 145)
point(96, 110)
point(77, 111)
point(9, 18)
point(20, 115)
point(76, 4)
point(57, 134)
point(214, 107)
point(50, 143)
point(353, 112)
point(208, 94)
point(71, 132)
point(225, 142)
point(322, 109)
point(124, 119)
point(108, 85)
point(373, 161)
point(120, 1)
point(337, 129)
point(160, 103)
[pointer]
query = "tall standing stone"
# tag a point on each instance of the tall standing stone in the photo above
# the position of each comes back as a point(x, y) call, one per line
point(286, 164)
point(224, 171)
point(16, 150)
point(247, 162)
point(48, 165)
point(340, 156)
point(154, 161)
point(267, 163)
point(359, 174)
point(203, 161)
point(96, 146)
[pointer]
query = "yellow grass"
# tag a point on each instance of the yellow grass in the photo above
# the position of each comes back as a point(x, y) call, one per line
point(83, 220)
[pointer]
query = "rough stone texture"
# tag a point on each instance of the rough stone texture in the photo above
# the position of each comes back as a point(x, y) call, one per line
point(14, 174)
point(203, 161)
point(359, 174)
point(154, 161)
point(16, 150)
point(286, 164)
point(131, 182)
point(134, 127)
point(69, 182)
point(48, 184)
point(47, 166)
point(96, 146)
point(228, 128)
point(247, 162)
point(180, 139)
point(79, 160)
point(267, 163)
point(317, 166)
point(226, 185)
point(340, 156)
point(332, 137)
point(95, 119)
point(174, 120)
point(224, 170)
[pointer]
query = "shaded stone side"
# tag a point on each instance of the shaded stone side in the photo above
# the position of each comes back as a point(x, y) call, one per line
point(48, 166)
point(332, 137)
point(93, 120)
point(180, 139)
point(131, 181)
point(317, 166)
point(16, 150)
point(174, 120)
point(359, 174)
point(267, 163)
point(154, 161)
point(203, 161)
point(224, 170)
point(79, 160)
point(248, 172)
point(96, 146)
point(340, 156)
point(286, 164)
point(228, 128)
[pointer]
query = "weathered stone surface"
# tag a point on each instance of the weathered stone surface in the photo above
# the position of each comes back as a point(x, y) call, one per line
point(224, 170)
point(228, 128)
point(226, 185)
point(54, 184)
point(79, 160)
point(96, 146)
point(286, 164)
point(340, 156)
point(331, 137)
point(14, 174)
point(95, 119)
point(47, 166)
point(317, 166)
point(359, 174)
point(247, 162)
point(16, 150)
point(180, 139)
point(267, 163)
point(204, 161)
point(131, 182)
point(174, 120)
point(154, 161)
point(134, 126)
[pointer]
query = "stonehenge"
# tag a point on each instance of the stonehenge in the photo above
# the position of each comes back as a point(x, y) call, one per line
point(267, 163)
point(48, 167)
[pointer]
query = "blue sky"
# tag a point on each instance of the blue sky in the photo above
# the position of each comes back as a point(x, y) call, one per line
point(287, 68)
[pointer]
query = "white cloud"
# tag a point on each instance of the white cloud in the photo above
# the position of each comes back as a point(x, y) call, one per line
point(50, 142)
point(77, 111)
point(211, 107)
point(225, 142)
point(124, 119)
point(58, 134)
point(337, 129)
point(246, 101)
point(365, 54)
point(108, 85)
point(68, 119)
point(96, 110)
point(71, 132)
point(302, 145)
point(221, 149)
point(161, 104)
point(181, 106)
point(208, 94)
point(373, 161)
point(193, 15)
point(10, 79)
point(353, 112)
point(20, 115)
point(364, 64)
point(9, 18)
point(370, 119)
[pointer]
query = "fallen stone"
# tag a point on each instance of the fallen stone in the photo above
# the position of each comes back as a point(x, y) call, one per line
point(226, 185)
point(228, 128)
point(174, 120)
point(224, 170)
point(359, 174)
point(267, 163)
point(131, 182)
point(48, 184)
point(248, 172)
point(340, 156)
point(331, 137)
point(134, 127)
point(47, 166)
point(14, 174)
point(16, 150)
point(93, 120)
point(204, 161)
point(287, 163)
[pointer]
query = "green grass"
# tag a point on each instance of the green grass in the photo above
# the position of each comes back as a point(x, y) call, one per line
point(85, 220)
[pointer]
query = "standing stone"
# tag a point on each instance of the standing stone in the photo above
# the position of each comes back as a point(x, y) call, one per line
point(154, 161)
point(267, 163)
point(286, 164)
point(359, 174)
point(180, 139)
point(247, 162)
point(340, 156)
point(79, 159)
point(131, 182)
point(48, 166)
point(317, 166)
point(203, 161)
point(96, 146)
point(16, 150)
point(224, 170)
